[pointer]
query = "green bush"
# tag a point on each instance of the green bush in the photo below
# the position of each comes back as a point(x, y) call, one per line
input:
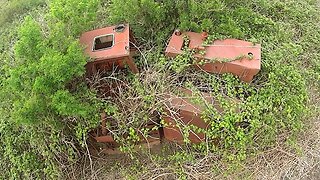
point(45, 93)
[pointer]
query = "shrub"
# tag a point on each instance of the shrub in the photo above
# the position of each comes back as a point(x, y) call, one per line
point(50, 108)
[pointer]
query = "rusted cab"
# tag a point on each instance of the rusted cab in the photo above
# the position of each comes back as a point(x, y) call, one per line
point(238, 57)
point(109, 47)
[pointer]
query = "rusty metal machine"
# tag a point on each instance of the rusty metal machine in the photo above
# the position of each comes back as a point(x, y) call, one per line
point(111, 47)
point(238, 57)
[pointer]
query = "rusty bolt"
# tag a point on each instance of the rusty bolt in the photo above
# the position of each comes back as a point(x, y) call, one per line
point(204, 35)
point(177, 32)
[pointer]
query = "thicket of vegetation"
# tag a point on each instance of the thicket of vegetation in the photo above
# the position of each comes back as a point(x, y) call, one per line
point(47, 107)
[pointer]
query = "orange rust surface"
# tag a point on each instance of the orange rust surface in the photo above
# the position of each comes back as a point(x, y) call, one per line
point(187, 113)
point(183, 111)
point(103, 123)
point(220, 50)
point(116, 56)
point(105, 138)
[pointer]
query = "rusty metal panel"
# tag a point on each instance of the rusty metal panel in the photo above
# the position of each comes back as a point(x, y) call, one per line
point(238, 57)
point(119, 48)
point(109, 47)
point(181, 110)
point(105, 138)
